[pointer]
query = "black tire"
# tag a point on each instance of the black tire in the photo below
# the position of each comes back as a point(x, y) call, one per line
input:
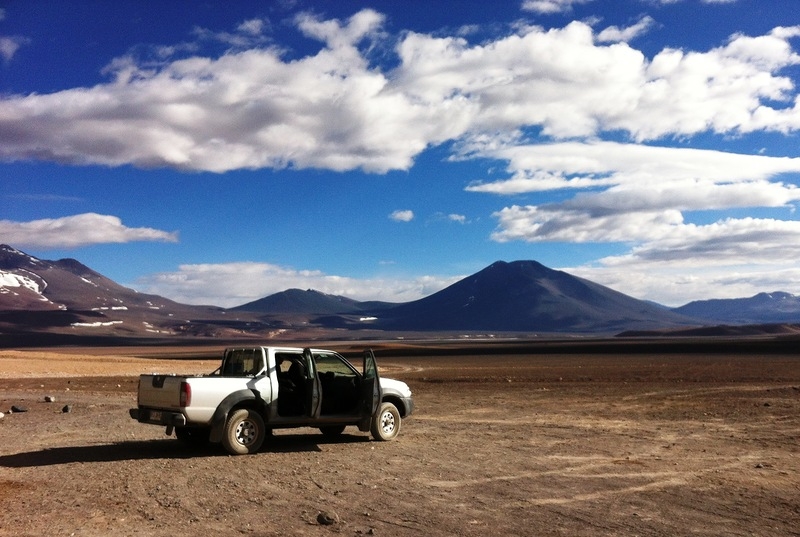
point(386, 423)
point(192, 436)
point(332, 430)
point(244, 432)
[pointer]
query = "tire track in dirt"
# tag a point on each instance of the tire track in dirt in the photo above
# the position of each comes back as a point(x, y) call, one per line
point(658, 480)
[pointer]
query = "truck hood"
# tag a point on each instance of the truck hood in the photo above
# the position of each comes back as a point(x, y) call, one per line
point(396, 386)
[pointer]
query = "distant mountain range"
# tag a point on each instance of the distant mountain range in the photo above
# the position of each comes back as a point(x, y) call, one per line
point(40, 300)
point(762, 308)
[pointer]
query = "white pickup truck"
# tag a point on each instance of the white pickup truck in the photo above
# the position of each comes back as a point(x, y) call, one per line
point(257, 389)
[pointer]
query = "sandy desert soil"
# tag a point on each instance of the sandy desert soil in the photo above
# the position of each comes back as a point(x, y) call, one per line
point(522, 444)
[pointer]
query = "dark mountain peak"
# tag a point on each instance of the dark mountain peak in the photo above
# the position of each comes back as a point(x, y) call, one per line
point(517, 281)
point(11, 258)
point(75, 267)
point(516, 267)
point(299, 301)
point(526, 296)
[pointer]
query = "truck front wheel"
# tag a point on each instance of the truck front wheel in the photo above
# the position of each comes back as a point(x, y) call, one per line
point(244, 432)
point(386, 422)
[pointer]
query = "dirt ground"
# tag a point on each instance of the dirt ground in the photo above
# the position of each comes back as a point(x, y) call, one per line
point(522, 444)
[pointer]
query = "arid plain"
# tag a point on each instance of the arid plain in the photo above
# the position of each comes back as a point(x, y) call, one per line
point(503, 442)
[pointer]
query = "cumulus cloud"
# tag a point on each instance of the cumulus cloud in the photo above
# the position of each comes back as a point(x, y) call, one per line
point(402, 216)
point(78, 230)
point(250, 108)
point(234, 284)
point(564, 82)
point(245, 109)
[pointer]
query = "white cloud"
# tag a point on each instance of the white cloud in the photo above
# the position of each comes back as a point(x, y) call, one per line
point(78, 230)
point(253, 26)
point(250, 108)
point(563, 81)
point(643, 191)
point(360, 26)
point(644, 197)
point(10, 45)
point(245, 109)
point(402, 216)
point(460, 218)
point(677, 285)
point(234, 284)
point(550, 6)
point(542, 167)
point(615, 34)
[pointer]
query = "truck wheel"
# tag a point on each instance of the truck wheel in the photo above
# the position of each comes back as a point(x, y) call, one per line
point(333, 430)
point(244, 432)
point(386, 422)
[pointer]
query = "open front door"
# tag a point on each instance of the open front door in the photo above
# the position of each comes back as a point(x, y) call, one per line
point(370, 391)
point(313, 386)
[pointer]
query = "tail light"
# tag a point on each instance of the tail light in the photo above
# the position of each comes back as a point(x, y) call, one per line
point(186, 394)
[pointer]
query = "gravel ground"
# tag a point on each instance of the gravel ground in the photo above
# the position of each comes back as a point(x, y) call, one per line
point(645, 444)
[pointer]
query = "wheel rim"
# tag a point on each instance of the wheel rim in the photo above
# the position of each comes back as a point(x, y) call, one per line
point(387, 423)
point(246, 432)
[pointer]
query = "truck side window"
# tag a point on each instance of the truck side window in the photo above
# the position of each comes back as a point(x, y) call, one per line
point(243, 362)
point(333, 364)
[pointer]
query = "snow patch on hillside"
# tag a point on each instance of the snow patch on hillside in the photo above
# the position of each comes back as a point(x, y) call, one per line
point(10, 281)
point(96, 324)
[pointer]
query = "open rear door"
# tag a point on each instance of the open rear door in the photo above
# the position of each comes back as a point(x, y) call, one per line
point(313, 386)
point(370, 391)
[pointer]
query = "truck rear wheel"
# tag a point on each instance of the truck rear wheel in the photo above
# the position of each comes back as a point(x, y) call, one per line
point(386, 422)
point(244, 432)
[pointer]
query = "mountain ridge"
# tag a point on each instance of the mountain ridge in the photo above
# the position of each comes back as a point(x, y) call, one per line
point(67, 297)
point(776, 307)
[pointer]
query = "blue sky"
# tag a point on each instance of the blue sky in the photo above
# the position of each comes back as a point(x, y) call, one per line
point(218, 152)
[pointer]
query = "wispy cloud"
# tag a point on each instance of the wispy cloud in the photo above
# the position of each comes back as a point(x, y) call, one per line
point(9, 45)
point(78, 230)
point(46, 198)
point(615, 34)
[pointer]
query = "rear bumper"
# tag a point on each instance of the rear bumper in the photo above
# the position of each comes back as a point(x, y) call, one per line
point(157, 417)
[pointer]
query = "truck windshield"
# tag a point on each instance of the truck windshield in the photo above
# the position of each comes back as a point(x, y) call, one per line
point(242, 363)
